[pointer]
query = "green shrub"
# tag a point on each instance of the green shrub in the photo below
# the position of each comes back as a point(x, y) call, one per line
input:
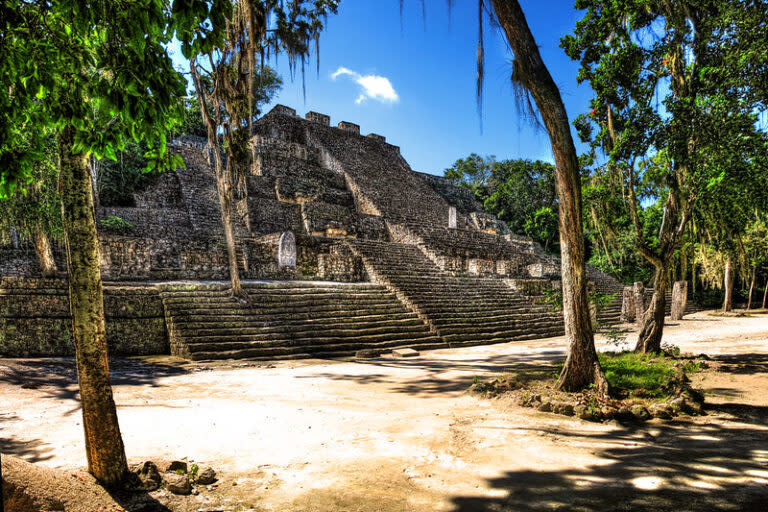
point(117, 225)
point(645, 373)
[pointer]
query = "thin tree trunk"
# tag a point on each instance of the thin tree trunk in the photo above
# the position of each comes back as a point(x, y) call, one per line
point(223, 181)
point(683, 264)
point(751, 288)
point(103, 442)
point(44, 253)
point(728, 285)
point(765, 293)
point(225, 198)
point(649, 339)
point(582, 367)
point(602, 238)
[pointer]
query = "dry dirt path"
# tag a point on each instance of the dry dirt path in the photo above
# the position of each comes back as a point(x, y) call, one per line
point(391, 435)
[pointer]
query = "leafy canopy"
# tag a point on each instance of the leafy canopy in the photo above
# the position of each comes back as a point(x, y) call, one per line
point(98, 68)
point(519, 192)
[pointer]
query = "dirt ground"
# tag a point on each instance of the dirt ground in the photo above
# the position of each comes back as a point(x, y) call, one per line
point(403, 435)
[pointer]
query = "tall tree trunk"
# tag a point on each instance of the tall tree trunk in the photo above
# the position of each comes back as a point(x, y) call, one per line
point(649, 339)
point(224, 187)
point(103, 442)
point(224, 181)
point(582, 367)
point(765, 293)
point(751, 288)
point(602, 238)
point(44, 253)
point(728, 285)
point(672, 225)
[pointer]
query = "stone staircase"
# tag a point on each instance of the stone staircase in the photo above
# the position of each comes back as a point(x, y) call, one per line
point(463, 310)
point(610, 315)
point(289, 320)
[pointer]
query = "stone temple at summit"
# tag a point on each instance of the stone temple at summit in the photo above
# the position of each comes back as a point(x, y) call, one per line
point(341, 246)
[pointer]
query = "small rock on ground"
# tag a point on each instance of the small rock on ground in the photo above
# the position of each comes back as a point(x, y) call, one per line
point(177, 465)
point(404, 352)
point(146, 477)
point(177, 484)
point(206, 476)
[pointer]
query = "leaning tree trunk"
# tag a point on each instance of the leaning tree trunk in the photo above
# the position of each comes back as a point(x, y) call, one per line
point(44, 253)
point(649, 339)
point(103, 442)
point(728, 300)
point(765, 293)
point(751, 288)
point(582, 367)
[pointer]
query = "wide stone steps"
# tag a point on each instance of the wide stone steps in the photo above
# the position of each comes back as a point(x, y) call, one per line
point(305, 318)
point(449, 320)
point(202, 343)
point(462, 309)
point(396, 321)
point(234, 308)
point(307, 351)
point(385, 332)
point(244, 314)
point(289, 320)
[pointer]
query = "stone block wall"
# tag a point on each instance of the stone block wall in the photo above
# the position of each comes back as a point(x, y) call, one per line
point(349, 127)
point(131, 258)
point(316, 117)
point(149, 222)
point(34, 319)
point(339, 264)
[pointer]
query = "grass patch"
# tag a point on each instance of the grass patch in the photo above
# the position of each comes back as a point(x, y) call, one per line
point(641, 374)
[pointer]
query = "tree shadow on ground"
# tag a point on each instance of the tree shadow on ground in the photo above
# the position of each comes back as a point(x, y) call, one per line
point(675, 466)
point(33, 450)
point(436, 376)
point(57, 377)
point(138, 501)
point(744, 364)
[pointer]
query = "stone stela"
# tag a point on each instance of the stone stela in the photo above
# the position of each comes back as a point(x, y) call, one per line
point(286, 252)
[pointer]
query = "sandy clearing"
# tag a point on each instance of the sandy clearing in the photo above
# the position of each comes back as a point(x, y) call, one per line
point(391, 434)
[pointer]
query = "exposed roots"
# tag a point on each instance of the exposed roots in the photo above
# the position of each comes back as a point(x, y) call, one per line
point(576, 377)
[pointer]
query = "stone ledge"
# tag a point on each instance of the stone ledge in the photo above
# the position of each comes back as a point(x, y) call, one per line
point(377, 137)
point(349, 127)
point(316, 117)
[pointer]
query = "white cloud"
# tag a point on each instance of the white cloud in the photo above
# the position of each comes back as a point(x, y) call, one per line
point(375, 87)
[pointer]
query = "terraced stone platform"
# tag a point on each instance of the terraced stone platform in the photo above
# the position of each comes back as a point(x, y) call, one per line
point(341, 244)
point(289, 320)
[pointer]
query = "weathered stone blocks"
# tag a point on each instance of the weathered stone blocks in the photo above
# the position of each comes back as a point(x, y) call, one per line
point(316, 117)
point(679, 299)
point(377, 137)
point(349, 127)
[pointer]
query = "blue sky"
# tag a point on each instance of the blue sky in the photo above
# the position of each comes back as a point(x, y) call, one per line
point(430, 110)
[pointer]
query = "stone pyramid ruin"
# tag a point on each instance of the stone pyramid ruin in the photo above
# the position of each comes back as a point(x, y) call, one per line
point(341, 245)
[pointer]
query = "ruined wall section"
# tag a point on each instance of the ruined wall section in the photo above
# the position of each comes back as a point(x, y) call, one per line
point(308, 176)
point(197, 184)
point(380, 177)
point(35, 319)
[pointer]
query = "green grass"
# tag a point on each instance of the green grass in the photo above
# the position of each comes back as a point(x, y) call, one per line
point(633, 372)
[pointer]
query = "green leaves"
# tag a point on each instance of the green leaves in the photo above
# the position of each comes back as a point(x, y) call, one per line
point(99, 67)
point(519, 192)
point(677, 86)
